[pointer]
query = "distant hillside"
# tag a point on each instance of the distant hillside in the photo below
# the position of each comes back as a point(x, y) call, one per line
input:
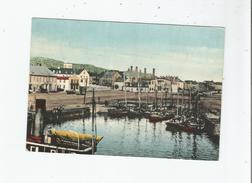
point(48, 62)
point(52, 63)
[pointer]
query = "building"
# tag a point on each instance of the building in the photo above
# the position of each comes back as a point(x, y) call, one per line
point(109, 78)
point(63, 83)
point(84, 80)
point(217, 86)
point(63, 75)
point(160, 85)
point(68, 66)
point(70, 79)
point(191, 85)
point(42, 79)
point(118, 85)
point(133, 76)
point(74, 82)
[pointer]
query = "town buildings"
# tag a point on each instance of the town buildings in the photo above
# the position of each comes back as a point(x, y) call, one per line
point(109, 78)
point(70, 79)
point(42, 79)
point(63, 75)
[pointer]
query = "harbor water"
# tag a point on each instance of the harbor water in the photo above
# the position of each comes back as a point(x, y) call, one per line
point(140, 138)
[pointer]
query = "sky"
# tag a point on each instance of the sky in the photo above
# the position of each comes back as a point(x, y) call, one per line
point(190, 52)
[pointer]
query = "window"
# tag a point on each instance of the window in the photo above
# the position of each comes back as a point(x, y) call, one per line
point(34, 149)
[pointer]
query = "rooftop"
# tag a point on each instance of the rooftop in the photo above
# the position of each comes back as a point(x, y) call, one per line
point(40, 71)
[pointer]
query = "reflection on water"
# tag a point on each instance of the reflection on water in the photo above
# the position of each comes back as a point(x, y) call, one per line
point(138, 137)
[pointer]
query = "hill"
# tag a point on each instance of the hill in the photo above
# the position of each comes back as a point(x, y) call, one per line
point(52, 63)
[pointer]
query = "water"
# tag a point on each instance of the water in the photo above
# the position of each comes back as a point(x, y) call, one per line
point(140, 138)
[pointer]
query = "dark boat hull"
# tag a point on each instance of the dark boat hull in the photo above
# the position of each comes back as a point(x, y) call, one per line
point(183, 127)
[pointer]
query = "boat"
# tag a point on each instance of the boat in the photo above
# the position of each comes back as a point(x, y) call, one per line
point(190, 125)
point(71, 139)
point(158, 117)
point(174, 124)
point(61, 141)
point(117, 113)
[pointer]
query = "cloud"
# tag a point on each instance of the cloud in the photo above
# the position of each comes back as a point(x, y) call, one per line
point(198, 63)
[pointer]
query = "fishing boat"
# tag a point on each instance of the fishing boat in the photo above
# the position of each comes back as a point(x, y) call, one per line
point(134, 114)
point(61, 141)
point(174, 124)
point(71, 139)
point(156, 117)
point(189, 125)
point(117, 113)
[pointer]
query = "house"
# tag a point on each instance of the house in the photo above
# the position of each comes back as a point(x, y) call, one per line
point(84, 80)
point(74, 82)
point(42, 79)
point(160, 85)
point(70, 79)
point(191, 85)
point(63, 75)
point(109, 78)
point(63, 83)
point(217, 86)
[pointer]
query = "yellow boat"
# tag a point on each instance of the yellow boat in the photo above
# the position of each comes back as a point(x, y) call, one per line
point(75, 136)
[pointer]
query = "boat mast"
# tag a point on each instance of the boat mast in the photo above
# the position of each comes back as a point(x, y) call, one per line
point(190, 99)
point(93, 123)
point(85, 92)
point(125, 93)
point(155, 95)
point(138, 87)
point(177, 103)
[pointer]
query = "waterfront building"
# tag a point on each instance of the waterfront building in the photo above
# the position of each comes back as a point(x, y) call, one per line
point(191, 85)
point(84, 80)
point(118, 85)
point(160, 85)
point(42, 79)
point(63, 75)
point(70, 79)
point(218, 86)
point(109, 78)
point(133, 76)
point(74, 82)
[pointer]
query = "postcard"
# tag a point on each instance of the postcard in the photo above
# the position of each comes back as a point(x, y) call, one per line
point(125, 89)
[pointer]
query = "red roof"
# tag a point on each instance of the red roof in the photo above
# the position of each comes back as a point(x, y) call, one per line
point(63, 77)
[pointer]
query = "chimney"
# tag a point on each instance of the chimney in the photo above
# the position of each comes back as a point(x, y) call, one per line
point(145, 71)
point(153, 71)
point(136, 69)
point(131, 68)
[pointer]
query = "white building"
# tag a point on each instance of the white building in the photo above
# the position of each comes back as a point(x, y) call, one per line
point(68, 79)
point(68, 66)
point(161, 85)
point(84, 78)
point(63, 82)
point(63, 75)
point(118, 85)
